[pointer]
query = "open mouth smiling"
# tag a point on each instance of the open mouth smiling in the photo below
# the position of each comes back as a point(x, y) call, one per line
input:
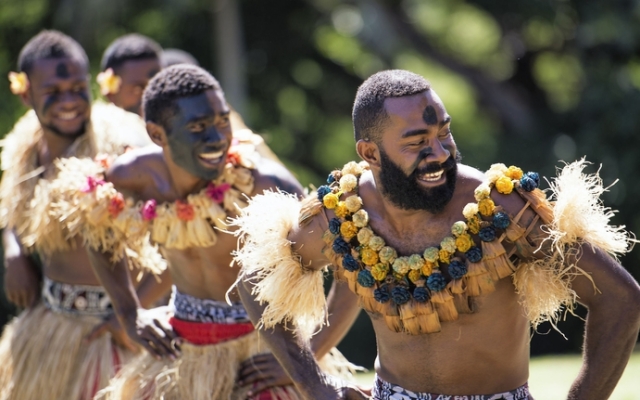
point(431, 176)
point(212, 158)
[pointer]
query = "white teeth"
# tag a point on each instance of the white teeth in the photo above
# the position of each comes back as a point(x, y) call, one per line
point(67, 115)
point(433, 176)
point(212, 156)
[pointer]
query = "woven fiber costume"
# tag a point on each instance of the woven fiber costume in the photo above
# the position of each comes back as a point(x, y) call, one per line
point(416, 293)
point(42, 354)
point(217, 337)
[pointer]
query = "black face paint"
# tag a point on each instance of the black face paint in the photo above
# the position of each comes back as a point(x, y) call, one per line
point(48, 102)
point(429, 115)
point(187, 146)
point(62, 71)
point(405, 191)
point(424, 153)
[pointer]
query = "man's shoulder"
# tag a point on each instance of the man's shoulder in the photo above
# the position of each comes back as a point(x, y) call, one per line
point(135, 167)
point(271, 175)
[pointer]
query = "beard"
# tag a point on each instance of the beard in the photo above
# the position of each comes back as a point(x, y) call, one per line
point(67, 135)
point(406, 193)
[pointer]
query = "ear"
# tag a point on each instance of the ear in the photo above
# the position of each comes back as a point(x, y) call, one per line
point(157, 134)
point(26, 99)
point(369, 152)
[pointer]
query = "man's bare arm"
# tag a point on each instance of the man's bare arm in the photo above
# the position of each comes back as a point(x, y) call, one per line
point(613, 321)
point(343, 309)
point(147, 328)
point(22, 279)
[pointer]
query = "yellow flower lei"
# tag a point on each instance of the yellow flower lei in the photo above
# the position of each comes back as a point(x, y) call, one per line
point(379, 265)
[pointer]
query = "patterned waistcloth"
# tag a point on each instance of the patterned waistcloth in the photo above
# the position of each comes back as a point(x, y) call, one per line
point(388, 391)
point(71, 299)
point(189, 308)
point(206, 322)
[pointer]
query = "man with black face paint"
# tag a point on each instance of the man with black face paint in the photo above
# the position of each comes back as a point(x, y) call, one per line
point(42, 352)
point(180, 192)
point(426, 243)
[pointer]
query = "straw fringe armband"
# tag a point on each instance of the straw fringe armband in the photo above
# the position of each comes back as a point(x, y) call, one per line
point(292, 294)
point(573, 216)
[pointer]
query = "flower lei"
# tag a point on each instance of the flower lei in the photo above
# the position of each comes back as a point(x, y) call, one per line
point(210, 203)
point(418, 276)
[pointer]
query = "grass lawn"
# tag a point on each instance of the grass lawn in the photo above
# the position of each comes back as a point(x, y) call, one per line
point(551, 376)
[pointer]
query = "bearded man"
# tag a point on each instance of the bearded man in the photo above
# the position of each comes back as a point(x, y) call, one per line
point(453, 266)
point(43, 353)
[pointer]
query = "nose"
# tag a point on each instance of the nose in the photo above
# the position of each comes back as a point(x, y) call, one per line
point(438, 153)
point(69, 98)
point(212, 135)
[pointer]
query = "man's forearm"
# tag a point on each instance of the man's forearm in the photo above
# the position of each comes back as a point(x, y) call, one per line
point(152, 288)
point(609, 340)
point(343, 309)
point(293, 354)
point(116, 280)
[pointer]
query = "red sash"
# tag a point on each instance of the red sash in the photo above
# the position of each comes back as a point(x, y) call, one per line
point(209, 332)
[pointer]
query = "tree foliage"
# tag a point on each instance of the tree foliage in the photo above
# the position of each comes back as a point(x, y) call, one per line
point(528, 83)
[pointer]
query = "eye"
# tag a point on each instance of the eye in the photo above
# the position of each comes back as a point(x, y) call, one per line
point(416, 144)
point(197, 127)
point(445, 134)
point(224, 121)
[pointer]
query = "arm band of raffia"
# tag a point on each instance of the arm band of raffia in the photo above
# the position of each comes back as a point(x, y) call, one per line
point(292, 293)
point(574, 216)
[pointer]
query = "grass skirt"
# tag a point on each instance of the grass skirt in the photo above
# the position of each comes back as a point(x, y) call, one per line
point(43, 356)
point(201, 372)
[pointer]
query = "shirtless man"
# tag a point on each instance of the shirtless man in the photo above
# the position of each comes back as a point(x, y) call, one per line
point(127, 65)
point(425, 241)
point(196, 176)
point(42, 352)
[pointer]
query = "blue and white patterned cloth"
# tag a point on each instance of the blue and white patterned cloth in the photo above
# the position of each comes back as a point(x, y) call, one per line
point(189, 308)
point(71, 299)
point(388, 391)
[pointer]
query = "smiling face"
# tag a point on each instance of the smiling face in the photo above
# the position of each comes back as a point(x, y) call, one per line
point(417, 153)
point(199, 134)
point(135, 75)
point(59, 94)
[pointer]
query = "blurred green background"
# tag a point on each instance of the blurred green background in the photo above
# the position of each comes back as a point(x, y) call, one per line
point(527, 82)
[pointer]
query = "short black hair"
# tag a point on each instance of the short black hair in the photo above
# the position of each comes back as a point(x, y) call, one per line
point(170, 57)
point(133, 46)
point(50, 44)
point(172, 83)
point(369, 114)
